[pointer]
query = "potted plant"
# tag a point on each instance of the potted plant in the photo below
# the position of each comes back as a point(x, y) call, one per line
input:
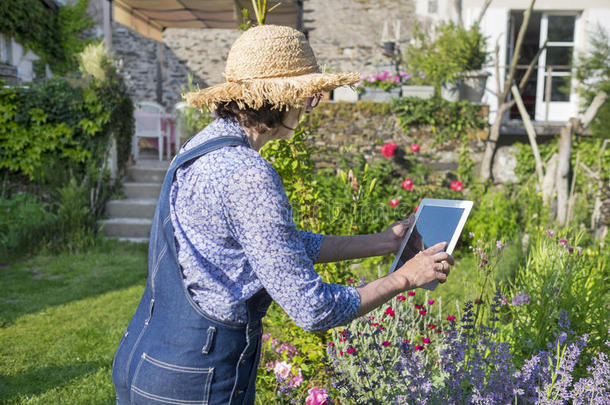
point(453, 60)
point(415, 87)
point(380, 87)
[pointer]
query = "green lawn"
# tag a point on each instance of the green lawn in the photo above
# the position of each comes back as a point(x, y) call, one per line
point(61, 319)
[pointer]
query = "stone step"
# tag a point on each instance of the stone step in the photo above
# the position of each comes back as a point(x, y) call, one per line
point(142, 190)
point(144, 174)
point(131, 208)
point(127, 227)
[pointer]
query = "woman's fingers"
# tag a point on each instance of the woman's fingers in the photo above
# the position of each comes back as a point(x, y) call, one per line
point(436, 248)
point(443, 256)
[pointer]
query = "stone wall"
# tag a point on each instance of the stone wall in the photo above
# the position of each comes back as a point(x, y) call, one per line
point(363, 127)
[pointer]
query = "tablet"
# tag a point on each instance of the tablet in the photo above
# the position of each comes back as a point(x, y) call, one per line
point(435, 221)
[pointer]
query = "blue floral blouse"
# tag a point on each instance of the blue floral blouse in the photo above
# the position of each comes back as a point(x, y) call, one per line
point(235, 235)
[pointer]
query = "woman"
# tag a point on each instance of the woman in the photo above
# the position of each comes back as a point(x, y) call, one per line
point(223, 243)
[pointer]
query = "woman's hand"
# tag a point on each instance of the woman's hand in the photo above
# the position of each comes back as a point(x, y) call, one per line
point(392, 237)
point(427, 266)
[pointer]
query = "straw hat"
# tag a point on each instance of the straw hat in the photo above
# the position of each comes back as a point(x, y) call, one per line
point(270, 64)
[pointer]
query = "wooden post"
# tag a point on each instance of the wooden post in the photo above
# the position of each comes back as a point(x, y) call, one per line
point(107, 15)
point(547, 92)
point(531, 132)
point(563, 171)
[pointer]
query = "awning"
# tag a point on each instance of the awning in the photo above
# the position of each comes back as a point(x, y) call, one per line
point(151, 17)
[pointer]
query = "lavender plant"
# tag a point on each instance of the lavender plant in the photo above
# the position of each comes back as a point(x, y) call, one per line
point(468, 366)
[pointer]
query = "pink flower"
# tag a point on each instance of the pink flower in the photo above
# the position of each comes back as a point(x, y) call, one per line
point(266, 337)
point(411, 293)
point(385, 343)
point(451, 318)
point(331, 344)
point(456, 185)
point(297, 380)
point(430, 302)
point(563, 242)
point(389, 149)
point(340, 352)
point(393, 202)
point(317, 396)
point(579, 250)
point(389, 311)
point(499, 244)
point(282, 369)
point(405, 341)
point(470, 235)
point(419, 347)
point(350, 350)
point(351, 280)
point(407, 184)
point(426, 340)
point(415, 148)
point(401, 298)
point(550, 233)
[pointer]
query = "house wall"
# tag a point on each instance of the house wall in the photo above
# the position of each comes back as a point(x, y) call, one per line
point(13, 53)
point(592, 13)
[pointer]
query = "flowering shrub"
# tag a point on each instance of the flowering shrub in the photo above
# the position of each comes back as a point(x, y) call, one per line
point(470, 366)
point(558, 276)
point(384, 80)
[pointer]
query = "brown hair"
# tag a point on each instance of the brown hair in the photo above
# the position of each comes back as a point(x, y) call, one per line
point(261, 120)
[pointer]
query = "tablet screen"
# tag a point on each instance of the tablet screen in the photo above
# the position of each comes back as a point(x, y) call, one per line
point(435, 224)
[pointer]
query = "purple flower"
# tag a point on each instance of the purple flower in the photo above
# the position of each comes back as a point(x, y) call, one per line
point(521, 299)
point(499, 244)
point(550, 233)
point(563, 242)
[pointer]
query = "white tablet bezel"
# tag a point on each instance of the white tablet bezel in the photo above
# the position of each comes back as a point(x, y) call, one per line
point(433, 202)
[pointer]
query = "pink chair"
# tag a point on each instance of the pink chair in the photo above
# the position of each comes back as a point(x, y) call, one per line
point(149, 124)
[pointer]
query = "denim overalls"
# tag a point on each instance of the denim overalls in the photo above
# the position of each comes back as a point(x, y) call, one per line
point(172, 352)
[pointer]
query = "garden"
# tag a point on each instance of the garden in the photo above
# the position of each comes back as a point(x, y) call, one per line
point(522, 319)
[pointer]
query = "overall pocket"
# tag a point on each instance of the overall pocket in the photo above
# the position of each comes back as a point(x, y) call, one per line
point(156, 380)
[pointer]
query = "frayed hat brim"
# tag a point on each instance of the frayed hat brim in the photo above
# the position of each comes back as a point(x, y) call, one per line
point(279, 92)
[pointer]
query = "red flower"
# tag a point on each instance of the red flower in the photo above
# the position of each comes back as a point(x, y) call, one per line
point(411, 293)
point(426, 340)
point(389, 149)
point(407, 184)
point(389, 311)
point(340, 352)
point(430, 302)
point(422, 312)
point(382, 328)
point(415, 148)
point(451, 318)
point(431, 326)
point(417, 306)
point(456, 185)
point(477, 301)
point(385, 343)
point(438, 330)
point(375, 324)
point(341, 339)
point(343, 332)
point(393, 202)
point(331, 344)
point(350, 350)
point(419, 347)
point(405, 341)
point(401, 298)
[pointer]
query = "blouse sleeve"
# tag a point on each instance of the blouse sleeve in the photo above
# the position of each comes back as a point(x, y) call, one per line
point(260, 218)
point(312, 242)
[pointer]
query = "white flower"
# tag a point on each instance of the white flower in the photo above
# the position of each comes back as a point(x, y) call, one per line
point(282, 369)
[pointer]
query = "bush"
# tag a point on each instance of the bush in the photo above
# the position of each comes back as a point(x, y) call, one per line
point(446, 120)
point(446, 52)
point(24, 225)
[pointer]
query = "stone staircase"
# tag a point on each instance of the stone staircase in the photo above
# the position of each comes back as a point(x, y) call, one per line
point(131, 218)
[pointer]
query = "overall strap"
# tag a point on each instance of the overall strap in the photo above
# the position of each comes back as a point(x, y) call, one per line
point(179, 160)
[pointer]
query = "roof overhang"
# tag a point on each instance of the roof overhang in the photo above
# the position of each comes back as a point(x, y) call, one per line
point(151, 17)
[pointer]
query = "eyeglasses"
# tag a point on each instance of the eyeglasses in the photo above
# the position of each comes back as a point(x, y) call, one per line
point(313, 101)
